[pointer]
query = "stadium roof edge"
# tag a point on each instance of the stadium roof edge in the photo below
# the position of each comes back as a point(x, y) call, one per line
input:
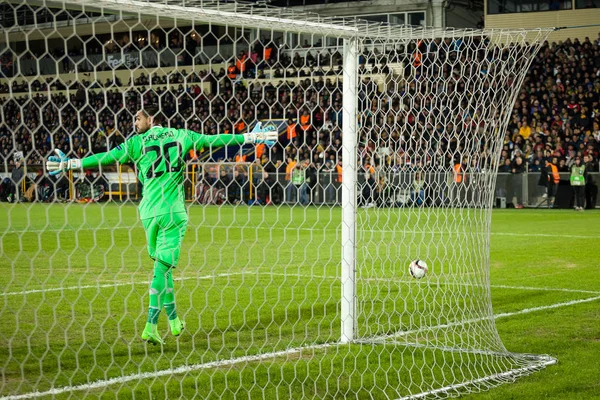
point(251, 16)
point(284, 19)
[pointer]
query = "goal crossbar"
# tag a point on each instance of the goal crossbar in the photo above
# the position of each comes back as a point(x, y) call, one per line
point(274, 18)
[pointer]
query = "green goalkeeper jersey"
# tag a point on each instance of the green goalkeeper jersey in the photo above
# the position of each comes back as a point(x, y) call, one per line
point(159, 157)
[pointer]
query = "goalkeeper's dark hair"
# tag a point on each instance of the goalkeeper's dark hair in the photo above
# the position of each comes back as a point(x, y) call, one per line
point(154, 111)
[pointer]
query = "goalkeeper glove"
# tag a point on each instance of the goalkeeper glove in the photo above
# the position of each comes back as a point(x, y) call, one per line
point(55, 165)
point(267, 135)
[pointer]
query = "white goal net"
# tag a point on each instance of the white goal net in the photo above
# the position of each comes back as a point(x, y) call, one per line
point(293, 279)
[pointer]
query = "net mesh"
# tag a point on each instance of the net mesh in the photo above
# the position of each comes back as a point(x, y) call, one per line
point(428, 155)
point(258, 282)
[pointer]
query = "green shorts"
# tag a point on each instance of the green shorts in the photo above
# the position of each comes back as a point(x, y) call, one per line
point(164, 235)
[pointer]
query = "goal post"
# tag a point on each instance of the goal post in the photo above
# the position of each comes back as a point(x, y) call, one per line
point(349, 132)
point(293, 274)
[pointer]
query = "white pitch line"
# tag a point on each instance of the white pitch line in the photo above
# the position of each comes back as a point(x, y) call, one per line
point(495, 316)
point(216, 364)
point(548, 289)
point(321, 229)
point(548, 307)
point(545, 235)
point(109, 285)
point(71, 229)
point(171, 371)
point(316, 277)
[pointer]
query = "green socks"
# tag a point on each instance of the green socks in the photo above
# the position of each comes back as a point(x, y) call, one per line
point(170, 297)
point(157, 292)
point(162, 293)
point(153, 314)
point(171, 311)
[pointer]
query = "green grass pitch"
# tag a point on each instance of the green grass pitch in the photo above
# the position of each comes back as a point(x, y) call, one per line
point(262, 280)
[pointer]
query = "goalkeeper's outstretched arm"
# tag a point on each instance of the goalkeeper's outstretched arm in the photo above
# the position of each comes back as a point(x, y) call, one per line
point(116, 155)
point(60, 162)
point(123, 153)
point(260, 134)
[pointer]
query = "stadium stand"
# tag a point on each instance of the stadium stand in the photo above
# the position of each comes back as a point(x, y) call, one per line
point(556, 114)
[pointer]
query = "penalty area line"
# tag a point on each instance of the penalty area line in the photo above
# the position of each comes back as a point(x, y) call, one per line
point(282, 274)
point(387, 279)
point(111, 285)
point(294, 228)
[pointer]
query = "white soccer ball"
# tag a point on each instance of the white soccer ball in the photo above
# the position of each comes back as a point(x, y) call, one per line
point(418, 269)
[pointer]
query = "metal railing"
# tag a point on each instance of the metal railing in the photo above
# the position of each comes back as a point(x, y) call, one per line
point(249, 183)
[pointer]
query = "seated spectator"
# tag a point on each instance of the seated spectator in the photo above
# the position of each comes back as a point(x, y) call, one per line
point(222, 183)
point(17, 176)
point(238, 188)
point(562, 166)
point(525, 130)
point(367, 191)
point(417, 194)
point(518, 169)
point(267, 189)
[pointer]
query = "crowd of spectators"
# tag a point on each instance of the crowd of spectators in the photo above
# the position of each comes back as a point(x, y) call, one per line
point(558, 111)
point(556, 115)
point(82, 56)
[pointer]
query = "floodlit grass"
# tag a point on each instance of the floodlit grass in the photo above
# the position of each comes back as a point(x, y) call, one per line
point(259, 290)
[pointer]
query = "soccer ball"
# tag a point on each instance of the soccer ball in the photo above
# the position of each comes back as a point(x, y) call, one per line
point(418, 269)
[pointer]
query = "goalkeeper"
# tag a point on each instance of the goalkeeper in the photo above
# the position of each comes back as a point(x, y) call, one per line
point(158, 155)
